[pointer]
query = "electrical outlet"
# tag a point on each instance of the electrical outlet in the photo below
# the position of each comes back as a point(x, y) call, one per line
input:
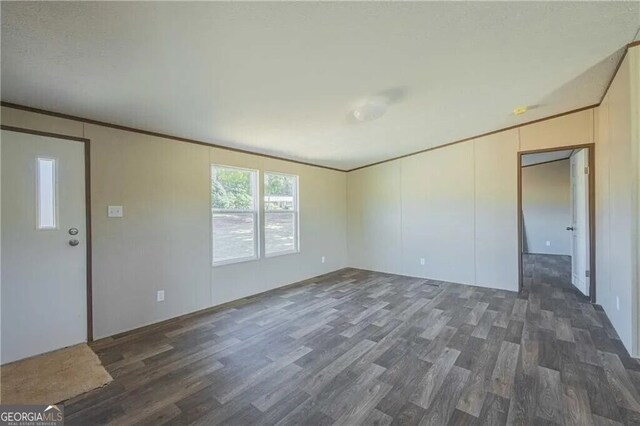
point(115, 211)
point(160, 297)
point(422, 260)
point(618, 302)
point(548, 243)
point(323, 259)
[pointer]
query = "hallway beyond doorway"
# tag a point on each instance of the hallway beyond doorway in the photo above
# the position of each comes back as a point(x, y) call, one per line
point(551, 274)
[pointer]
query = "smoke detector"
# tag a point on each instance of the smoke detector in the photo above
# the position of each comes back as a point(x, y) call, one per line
point(519, 110)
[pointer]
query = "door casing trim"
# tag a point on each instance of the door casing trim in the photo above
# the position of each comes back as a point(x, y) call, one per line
point(592, 211)
point(87, 196)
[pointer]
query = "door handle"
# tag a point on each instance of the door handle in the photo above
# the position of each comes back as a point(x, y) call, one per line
point(570, 228)
point(74, 242)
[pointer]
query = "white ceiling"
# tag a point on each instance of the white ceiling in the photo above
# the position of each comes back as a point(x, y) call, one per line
point(282, 78)
point(545, 157)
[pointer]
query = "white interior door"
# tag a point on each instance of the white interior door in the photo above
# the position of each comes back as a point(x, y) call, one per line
point(43, 257)
point(580, 221)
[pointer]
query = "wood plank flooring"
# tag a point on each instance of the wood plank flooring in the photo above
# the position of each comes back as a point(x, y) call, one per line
point(359, 347)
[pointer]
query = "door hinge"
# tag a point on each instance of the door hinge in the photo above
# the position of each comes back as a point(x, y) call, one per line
point(586, 170)
point(587, 273)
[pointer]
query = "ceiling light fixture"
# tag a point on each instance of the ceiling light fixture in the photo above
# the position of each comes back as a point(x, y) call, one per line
point(370, 110)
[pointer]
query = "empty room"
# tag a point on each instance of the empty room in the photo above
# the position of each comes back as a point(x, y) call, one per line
point(319, 213)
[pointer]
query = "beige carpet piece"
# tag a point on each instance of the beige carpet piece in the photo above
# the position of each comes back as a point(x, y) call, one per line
point(52, 377)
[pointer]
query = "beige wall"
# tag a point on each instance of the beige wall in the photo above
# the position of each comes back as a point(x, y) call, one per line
point(616, 201)
point(546, 207)
point(496, 221)
point(163, 241)
point(375, 217)
point(454, 207)
point(572, 129)
point(432, 212)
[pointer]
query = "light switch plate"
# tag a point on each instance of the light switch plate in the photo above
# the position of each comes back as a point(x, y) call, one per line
point(114, 211)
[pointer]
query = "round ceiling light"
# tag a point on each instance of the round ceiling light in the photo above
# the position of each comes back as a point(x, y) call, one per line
point(370, 110)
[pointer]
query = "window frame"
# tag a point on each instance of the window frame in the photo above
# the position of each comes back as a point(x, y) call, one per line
point(295, 211)
point(55, 194)
point(255, 184)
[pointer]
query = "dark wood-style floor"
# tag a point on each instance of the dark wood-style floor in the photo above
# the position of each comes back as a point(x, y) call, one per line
point(358, 347)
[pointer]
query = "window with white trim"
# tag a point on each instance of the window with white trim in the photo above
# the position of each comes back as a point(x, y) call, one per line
point(234, 208)
point(46, 197)
point(281, 221)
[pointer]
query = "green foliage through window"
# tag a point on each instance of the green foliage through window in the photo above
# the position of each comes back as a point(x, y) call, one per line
point(232, 189)
point(279, 191)
point(278, 184)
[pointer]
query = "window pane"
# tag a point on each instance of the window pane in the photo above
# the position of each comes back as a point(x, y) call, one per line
point(279, 192)
point(233, 236)
point(232, 189)
point(46, 193)
point(279, 232)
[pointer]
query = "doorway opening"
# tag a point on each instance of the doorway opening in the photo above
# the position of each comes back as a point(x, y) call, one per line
point(556, 221)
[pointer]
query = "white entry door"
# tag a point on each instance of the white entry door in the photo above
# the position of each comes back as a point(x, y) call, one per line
point(43, 249)
point(580, 220)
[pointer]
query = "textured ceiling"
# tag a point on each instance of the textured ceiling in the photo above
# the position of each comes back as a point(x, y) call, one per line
point(281, 78)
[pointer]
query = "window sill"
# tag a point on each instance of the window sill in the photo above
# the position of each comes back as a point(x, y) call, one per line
point(281, 253)
point(234, 261)
point(252, 259)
